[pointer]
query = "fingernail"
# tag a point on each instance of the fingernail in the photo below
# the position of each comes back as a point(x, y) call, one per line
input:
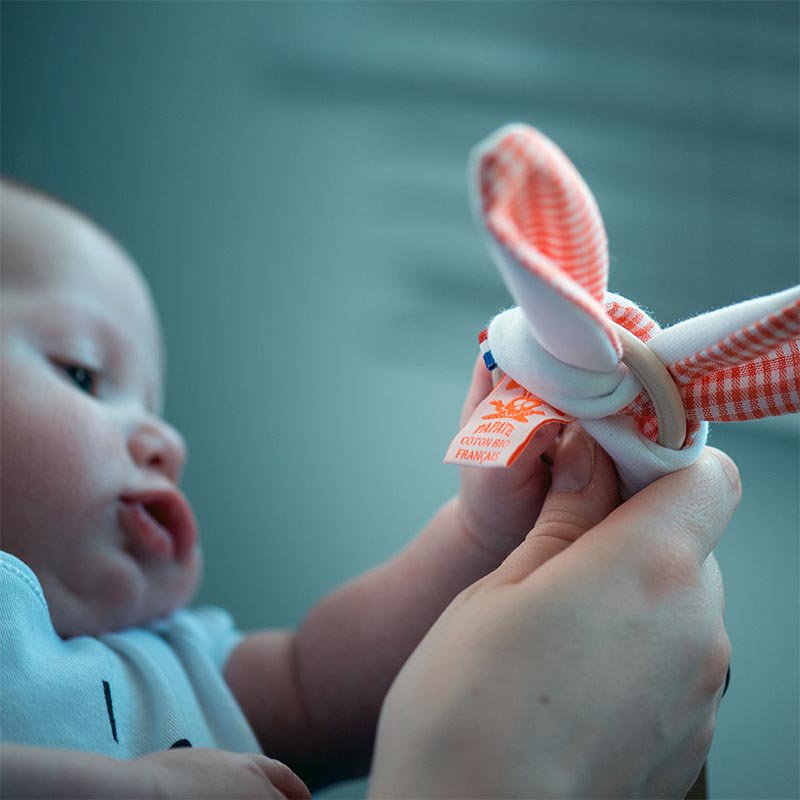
point(730, 469)
point(574, 462)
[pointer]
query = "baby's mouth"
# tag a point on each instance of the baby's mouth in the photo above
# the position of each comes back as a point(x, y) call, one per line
point(158, 524)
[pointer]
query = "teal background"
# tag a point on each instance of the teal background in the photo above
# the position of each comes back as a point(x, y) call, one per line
point(291, 179)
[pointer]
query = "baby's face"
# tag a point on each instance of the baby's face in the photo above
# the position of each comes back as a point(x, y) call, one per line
point(89, 471)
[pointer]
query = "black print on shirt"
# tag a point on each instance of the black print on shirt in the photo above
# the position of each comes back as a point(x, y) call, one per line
point(110, 710)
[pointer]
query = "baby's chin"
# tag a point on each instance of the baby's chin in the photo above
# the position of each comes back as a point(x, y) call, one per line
point(120, 601)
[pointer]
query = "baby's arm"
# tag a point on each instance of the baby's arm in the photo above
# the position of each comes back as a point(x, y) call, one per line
point(314, 696)
point(42, 772)
point(36, 772)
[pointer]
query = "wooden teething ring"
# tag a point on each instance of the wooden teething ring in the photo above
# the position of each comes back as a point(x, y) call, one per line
point(658, 384)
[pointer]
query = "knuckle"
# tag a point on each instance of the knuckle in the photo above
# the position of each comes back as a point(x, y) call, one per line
point(716, 663)
point(256, 766)
point(280, 768)
point(252, 768)
point(670, 566)
point(697, 520)
point(713, 584)
point(707, 501)
point(567, 526)
point(705, 737)
point(713, 573)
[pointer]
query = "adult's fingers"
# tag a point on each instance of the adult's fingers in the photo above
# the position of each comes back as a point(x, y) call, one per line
point(583, 492)
point(683, 512)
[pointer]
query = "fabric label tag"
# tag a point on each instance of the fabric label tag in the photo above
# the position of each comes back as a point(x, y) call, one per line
point(501, 426)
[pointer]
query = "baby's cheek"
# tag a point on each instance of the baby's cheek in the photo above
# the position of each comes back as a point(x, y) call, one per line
point(59, 458)
point(79, 444)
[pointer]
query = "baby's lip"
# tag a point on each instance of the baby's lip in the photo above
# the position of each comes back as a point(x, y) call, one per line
point(159, 522)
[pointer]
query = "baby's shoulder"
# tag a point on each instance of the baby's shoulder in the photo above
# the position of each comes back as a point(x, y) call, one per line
point(23, 609)
point(123, 693)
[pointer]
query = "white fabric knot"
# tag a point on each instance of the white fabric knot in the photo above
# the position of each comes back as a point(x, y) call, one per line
point(581, 392)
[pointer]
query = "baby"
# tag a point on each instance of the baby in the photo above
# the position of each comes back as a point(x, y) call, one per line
point(101, 554)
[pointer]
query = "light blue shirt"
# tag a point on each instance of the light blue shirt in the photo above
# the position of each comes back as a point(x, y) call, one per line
point(122, 694)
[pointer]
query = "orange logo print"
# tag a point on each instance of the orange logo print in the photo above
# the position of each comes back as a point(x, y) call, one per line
point(519, 409)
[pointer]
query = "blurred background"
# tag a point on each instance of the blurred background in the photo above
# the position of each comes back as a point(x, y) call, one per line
point(291, 179)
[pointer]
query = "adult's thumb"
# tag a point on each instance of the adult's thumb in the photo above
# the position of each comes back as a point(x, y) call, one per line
point(582, 493)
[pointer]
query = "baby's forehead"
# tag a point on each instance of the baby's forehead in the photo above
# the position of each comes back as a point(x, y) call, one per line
point(55, 258)
point(44, 241)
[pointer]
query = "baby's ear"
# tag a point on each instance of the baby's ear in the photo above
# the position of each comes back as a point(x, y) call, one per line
point(480, 386)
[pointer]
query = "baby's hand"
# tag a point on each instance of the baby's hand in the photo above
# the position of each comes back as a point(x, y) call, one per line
point(197, 773)
point(499, 506)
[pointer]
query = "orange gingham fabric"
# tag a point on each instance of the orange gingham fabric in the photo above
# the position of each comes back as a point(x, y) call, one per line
point(545, 232)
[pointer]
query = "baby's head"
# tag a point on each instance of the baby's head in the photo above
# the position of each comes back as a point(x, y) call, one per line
point(89, 470)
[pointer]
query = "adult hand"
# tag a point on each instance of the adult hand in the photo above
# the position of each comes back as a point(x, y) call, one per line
point(589, 664)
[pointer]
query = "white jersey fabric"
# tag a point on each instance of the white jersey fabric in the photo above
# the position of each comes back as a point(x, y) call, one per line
point(122, 694)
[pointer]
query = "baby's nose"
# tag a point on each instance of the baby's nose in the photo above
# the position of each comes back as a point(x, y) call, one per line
point(156, 445)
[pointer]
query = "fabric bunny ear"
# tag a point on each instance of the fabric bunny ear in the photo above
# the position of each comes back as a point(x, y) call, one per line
point(546, 235)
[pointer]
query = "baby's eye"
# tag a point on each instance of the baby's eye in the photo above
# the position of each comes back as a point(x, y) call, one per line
point(84, 378)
